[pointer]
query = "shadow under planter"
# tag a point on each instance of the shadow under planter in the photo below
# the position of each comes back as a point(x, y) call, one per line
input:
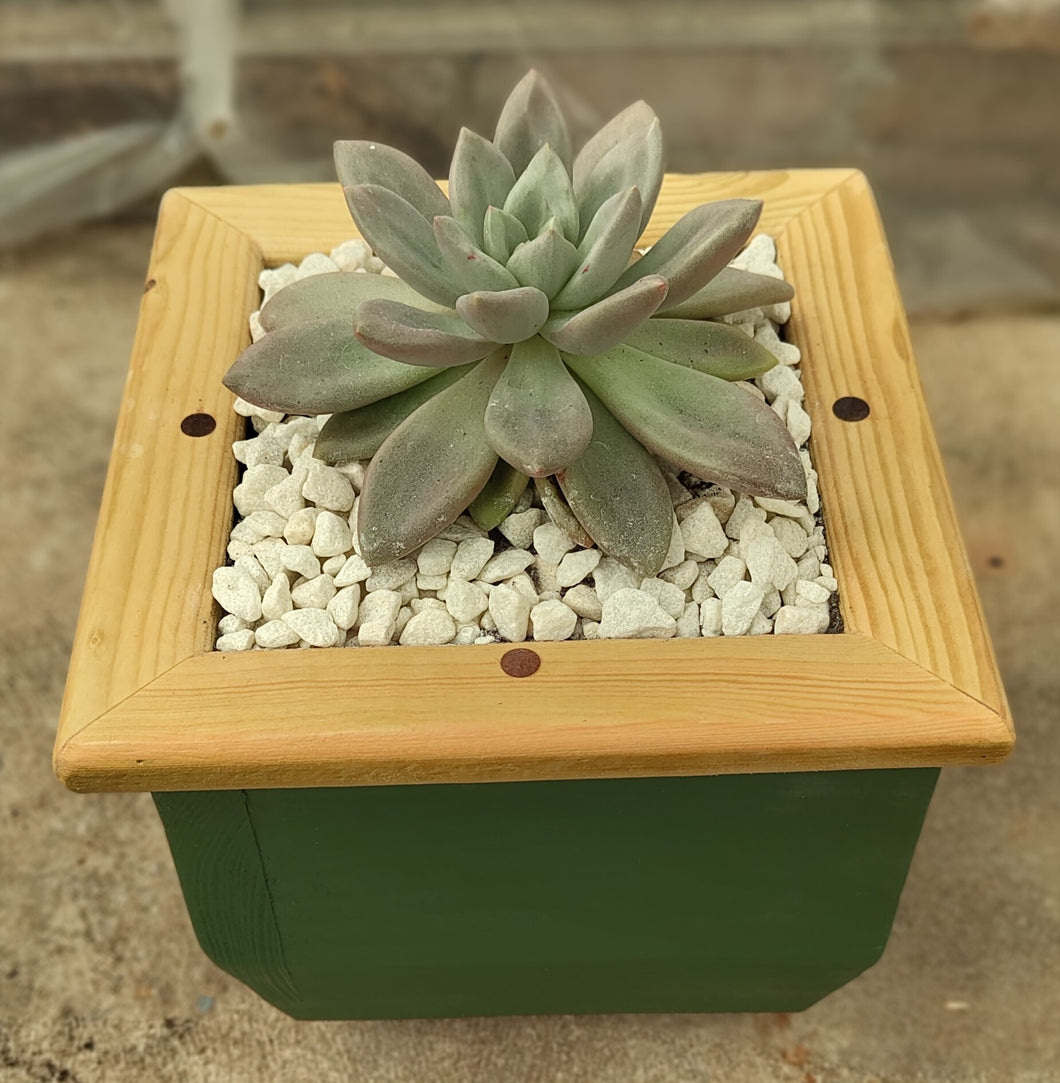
point(727, 893)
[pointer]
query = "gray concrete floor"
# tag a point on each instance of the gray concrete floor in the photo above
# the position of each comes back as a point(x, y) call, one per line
point(100, 975)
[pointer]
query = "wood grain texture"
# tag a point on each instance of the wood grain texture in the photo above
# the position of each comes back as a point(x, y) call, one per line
point(150, 706)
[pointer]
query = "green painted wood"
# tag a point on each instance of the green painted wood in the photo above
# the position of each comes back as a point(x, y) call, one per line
point(728, 893)
point(219, 864)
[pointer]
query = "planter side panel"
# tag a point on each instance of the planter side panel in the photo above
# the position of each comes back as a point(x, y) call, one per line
point(726, 893)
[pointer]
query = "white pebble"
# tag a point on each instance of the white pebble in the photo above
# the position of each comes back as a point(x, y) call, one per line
point(300, 559)
point(790, 535)
point(810, 593)
point(688, 621)
point(669, 597)
point(701, 588)
point(584, 601)
point(505, 564)
point(378, 618)
point(257, 526)
point(676, 553)
point(327, 488)
point(798, 422)
point(590, 629)
point(610, 576)
point(267, 554)
point(635, 614)
point(552, 621)
point(467, 635)
point(461, 530)
point(682, 575)
point(274, 634)
point(237, 593)
point(470, 557)
point(574, 567)
point(545, 573)
point(350, 255)
point(780, 383)
point(431, 582)
point(768, 564)
point(744, 509)
point(465, 601)
point(430, 627)
point(314, 626)
point(331, 536)
point(726, 575)
point(264, 449)
point(286, 497)
point(525, 585)
point(343, 607)
point(316, 263)
point(248, 409)
point(249, 495)
point(436, 557)
point(300, 527)
point(231, 623)
point(390, 576)
point(256, 572)
point(353, 571)
point(800, 620)
point(703, 534)
point(710, 617)
point(551, 543)
point(519, 527)
point(739, 606)
point(277, 598)
point(314, 593)
point(510, 610)
point(761, 625)
point(236, 641)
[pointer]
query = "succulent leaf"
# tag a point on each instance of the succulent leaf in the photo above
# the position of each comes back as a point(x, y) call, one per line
point(606, 323)
point(404, 333)
point(604, 250)
point(498, 497)
point(358, 434)
point(402, 238)
point(636, 160)
point(429, 469)
point(537, 418)
point(361, 162)
point(504, 316)
point(469, 267)
point(530, 119)
point(502, 233)
point(322, 297)
point(634, 120)
point(480, 177)
point(545, 262)
point(317, 367)
point(714, 348)
point(541, 192)
point(696, 247)
point(558, 510)
point(732, 290)
point(619, 494)
point(714, 429)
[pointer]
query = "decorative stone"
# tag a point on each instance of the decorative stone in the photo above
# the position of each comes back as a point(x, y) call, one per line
point(316, 263)
point(231, 623)
point(378, 618)
point(688, 621)
point(552, 621)
point(780, 383)
point(798, 422)
point(420, 604)
point(726, 575)
point(505, 564)
point(682, 575)
point(432, 582)
point(314, 626)
point(237, 593)
point(300, 528)
point(710, 617)
point(590, 629)
point(277, 598)
point(574, 567)
point(635, 614)
point(670, 598)
point(525, 585)
point(510, 610)
point(701, 588)
point(800, 620)
point(332, 536)
point(344, 606)
point(791, 537)
point(314, 593)
point(274, 634)
point(470, 557)
point(739, 606)
point(545, 575)
point(300, 559)
point(333, 565)
point(676, 553)
point(771, 602)
point(390, 576)
point(744, 509)
point(551, 543)
point(768, 564)
point(519, 527)
point(430, 627)
point(464, 600)
point(436, 557)
point(250, 565)
point(610, 576)
point(761, 625)
point(404, 616)
point(257, 526)
point(461, 530)
point(249, 495)
point(267, 554)
point(327, 488)
point(704, 536)
point(236, 641)
point(353, 571)
point(810, 593)
point(583, 600)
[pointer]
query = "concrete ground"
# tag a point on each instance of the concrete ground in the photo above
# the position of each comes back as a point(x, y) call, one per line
point(100, 975)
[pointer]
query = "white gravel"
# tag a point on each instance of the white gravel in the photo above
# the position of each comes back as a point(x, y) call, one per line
point(737, 565)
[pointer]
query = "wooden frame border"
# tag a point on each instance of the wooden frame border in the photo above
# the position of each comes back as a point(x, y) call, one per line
point(150, 706)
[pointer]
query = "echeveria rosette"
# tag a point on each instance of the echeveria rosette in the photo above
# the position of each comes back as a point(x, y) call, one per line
point(523, 338)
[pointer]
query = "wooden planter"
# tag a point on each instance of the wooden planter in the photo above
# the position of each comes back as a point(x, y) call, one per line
point(681, 825)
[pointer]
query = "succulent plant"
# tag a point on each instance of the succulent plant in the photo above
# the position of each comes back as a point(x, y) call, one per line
point(523, 338)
